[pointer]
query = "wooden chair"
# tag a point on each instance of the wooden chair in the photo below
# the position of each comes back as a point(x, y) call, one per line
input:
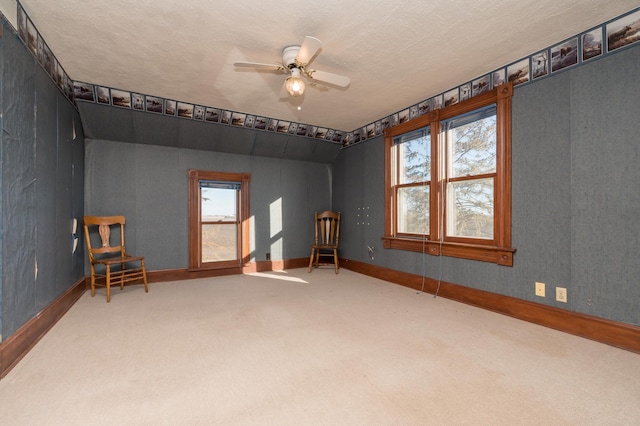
point(112, 261)
point(327, 229)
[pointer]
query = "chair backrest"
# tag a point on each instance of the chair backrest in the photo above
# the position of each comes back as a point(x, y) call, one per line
point(104, 224)
point(327, 228)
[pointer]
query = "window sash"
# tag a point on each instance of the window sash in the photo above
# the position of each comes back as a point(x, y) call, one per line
point(219, 242)
point(471, 143)
point(224, 204)
point(414, 156)
point(413, 207)
point(470, 209)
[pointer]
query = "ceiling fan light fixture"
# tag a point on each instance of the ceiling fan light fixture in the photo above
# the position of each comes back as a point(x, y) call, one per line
point(295, 60)
point(294, 83)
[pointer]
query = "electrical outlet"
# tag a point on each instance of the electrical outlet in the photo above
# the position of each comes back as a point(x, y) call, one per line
point(540, 289)
point(561, 294)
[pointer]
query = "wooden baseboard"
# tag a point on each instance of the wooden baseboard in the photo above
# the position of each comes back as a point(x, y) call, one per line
point(621, 335)
point(164, 275)
point(262, 266)
point(280, 265)
point(18, 344)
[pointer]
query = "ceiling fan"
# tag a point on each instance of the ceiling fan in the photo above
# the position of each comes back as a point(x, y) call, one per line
point(295, 60)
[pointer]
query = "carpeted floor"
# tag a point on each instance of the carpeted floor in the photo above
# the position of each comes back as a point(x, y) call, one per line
point(293, 348)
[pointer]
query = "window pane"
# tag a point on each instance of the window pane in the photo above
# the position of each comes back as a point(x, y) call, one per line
point(473, 147)
point(219, 242)
point(414, 157)
point(413, 210)
point(218, 204)
point(470, 209)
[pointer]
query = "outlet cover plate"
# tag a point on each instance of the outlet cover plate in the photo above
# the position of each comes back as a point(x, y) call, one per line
point(561, 294)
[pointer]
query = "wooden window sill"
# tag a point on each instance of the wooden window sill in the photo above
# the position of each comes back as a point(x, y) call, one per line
point(499, 255)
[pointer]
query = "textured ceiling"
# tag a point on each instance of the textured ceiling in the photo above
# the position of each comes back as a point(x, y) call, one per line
point(396, 53)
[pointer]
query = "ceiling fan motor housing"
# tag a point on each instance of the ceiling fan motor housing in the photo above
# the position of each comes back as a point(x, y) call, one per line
point(289, 54)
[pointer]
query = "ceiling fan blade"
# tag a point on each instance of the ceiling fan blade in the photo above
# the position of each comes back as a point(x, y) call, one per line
point(308, 50)
point(327, 77)
point(256, 65)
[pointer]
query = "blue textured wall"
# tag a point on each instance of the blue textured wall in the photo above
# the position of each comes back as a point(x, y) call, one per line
point(576, 199)
point(149, 185)
point(42, 186)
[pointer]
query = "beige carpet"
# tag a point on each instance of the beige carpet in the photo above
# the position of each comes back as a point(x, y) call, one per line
point(293, 348)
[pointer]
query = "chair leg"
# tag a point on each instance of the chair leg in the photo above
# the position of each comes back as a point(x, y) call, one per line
point(93, 281)
point(144, 276)
point(311, 259)
point(108, 283)
point(335, 260)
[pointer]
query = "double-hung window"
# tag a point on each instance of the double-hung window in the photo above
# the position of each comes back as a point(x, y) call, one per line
point(448, 181)
point(218, 219)
point(413, 187)
point(470, 173)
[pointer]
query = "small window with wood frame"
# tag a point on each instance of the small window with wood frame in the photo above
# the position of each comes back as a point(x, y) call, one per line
point(218, 220)
point(448, 180)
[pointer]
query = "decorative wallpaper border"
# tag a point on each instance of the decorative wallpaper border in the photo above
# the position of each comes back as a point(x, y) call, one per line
point(595, 43)
point(587, 46)
point(29, 34)
point(88, 92)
